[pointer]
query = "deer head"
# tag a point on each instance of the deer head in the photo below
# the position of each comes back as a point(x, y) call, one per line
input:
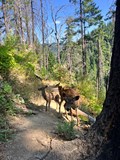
point(71, 102)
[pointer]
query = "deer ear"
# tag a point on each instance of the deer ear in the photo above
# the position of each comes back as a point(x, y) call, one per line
point(76, 98)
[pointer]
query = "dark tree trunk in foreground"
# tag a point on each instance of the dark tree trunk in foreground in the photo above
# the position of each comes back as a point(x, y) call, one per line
point(106, 130)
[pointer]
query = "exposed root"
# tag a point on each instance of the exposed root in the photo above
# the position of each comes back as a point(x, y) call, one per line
point(47, 153)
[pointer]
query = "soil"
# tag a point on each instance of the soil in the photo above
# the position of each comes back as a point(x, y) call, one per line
point(35, 138)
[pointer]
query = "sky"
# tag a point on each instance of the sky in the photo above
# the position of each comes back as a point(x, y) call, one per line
point(69, 10)
point(104, 5)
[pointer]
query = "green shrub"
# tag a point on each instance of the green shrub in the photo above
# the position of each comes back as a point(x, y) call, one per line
point(11, 42)
point(61, 73)
point(6, 100)
point(66, 130)
point(5, 131)
point(6, 107)
point(52, 61)
point(87, 88)
point(43, 73)
point(6, 60)
point(6, 104)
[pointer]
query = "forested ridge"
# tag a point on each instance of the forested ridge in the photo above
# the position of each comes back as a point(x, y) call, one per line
point(75, 52)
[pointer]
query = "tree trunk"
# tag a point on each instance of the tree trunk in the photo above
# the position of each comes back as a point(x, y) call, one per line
point(108, 122)
point(43, 32)
point(58, 50)
point(99, 70)
point(21, 23)
point(57, 39)
point(17, 32)
point(33, 27)
point(82, 39)
point(57, 33)
point(27, 23)
point(5, 17)
point(69, 61)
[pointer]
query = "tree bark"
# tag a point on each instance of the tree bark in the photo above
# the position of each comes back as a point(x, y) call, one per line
point(83, 40)
point(27, 22)
point(21, 23)
point(17, 30)
point(5, 16)
point(57, 39)
point(43, 32)
point(57, 32)
point(107, 125)
point(33, 27)
point(99, 70)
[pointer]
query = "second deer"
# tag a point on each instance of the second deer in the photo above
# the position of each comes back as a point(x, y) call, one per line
point(49, 96)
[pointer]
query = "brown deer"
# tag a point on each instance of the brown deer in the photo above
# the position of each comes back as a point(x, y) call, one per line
point(65, 92)
point(72, 102)
point(49, 96)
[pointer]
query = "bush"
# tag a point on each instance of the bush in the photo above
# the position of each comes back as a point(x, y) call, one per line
point(43, 73)
point(6, 104)
point(6, 107)
point(6, 61)
point(87, 88)
point(5, 132)
point(90, 101)
point(11, 42)
point(66, 130)
point(26, 61)
point(52, 61)
point(61, 73)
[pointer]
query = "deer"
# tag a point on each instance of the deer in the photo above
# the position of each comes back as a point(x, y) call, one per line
point(49, 96)
point(71, 98)
point(72, 102)
point(65, 92)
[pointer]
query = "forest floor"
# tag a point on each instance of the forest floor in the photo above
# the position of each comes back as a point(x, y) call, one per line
point(35, 138)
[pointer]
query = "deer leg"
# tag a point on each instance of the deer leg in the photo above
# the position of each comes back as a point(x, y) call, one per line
point(77, 116)
point(56, 106)
point(66, 114)
point(49, 105)
point(59, 107)
point(71, 115)
point(46, 105)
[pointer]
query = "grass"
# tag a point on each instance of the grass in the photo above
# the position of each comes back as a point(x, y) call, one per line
point(66, 130)
point(5, 131)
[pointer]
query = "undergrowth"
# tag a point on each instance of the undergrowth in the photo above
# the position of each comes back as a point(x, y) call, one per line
point(7, 107)
point(66, 130)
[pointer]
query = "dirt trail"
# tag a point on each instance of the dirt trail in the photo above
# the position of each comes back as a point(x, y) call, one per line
point(35, 139)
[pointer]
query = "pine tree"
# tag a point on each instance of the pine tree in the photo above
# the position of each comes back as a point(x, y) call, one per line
point(89, 15)
point(68, 43)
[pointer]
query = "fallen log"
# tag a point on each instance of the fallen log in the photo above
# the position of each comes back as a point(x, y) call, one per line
point(81, 113)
